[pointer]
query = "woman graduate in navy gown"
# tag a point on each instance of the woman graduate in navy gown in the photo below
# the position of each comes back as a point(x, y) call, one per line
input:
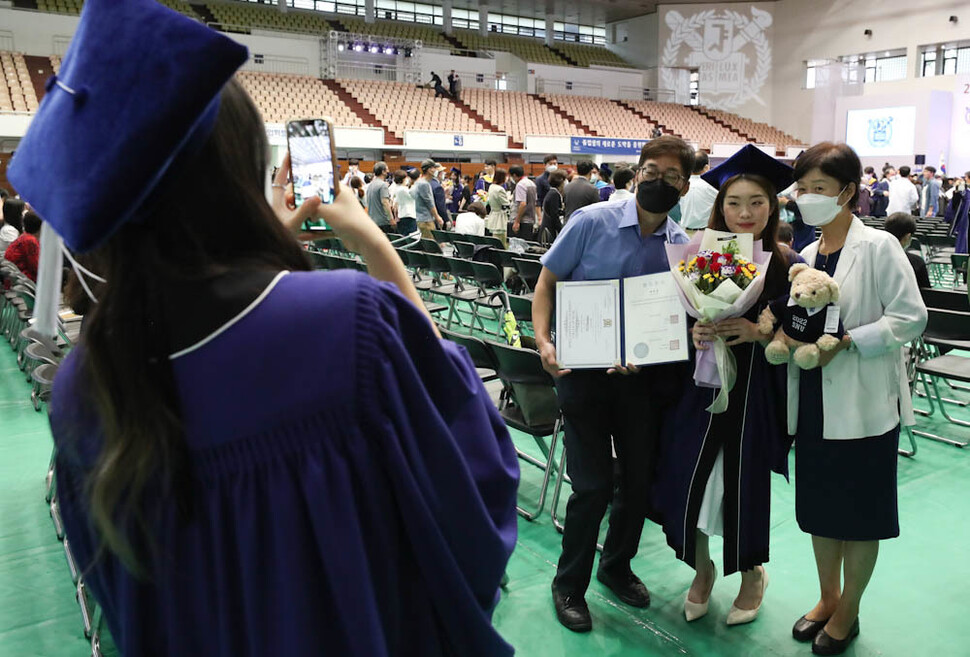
point(714, 477)
point(253, 458)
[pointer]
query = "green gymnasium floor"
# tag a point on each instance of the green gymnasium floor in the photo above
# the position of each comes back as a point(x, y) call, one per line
point(916, 605)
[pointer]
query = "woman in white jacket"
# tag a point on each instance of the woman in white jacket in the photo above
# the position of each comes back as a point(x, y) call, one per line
point(846, 413)
point(497, 221)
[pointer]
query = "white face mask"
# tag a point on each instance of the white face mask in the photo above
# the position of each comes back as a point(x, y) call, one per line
point(818, 209)
point(551, 168)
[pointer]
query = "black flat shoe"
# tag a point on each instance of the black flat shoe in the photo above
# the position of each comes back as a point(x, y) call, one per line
point(805, 630)
point(571, 610)
point(826, 645)
point(628, 588)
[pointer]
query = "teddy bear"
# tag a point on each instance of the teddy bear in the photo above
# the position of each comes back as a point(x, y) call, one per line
point(804, 326)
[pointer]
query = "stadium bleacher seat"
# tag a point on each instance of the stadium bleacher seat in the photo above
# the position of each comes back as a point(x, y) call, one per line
point(400, 106)
point(602, 115)
point(243, 17)
point(585, 55)
point(281, 98)
point(685, 122)
point(760, 132)
point(518, 114)
point(17, 93)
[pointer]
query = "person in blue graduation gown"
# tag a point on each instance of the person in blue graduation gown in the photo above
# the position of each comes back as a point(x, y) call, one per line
point(252, 458)
point(714, 477)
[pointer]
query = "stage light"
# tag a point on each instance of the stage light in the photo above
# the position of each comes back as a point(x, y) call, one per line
point(375, 49)
point(340, 46)
point(358, 47)
point(388, 50)
point(407, 52)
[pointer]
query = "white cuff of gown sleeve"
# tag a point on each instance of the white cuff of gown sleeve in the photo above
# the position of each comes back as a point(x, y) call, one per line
point(869, 339)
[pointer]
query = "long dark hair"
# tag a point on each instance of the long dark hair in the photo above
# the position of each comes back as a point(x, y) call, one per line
point(209, 217)
point(13, 213)
point(777, 281)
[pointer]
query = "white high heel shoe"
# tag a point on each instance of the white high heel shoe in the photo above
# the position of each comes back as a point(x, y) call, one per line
point(695, 610)
point(741, 616)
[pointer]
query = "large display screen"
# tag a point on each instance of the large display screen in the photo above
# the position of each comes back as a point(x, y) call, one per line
point(883, 131)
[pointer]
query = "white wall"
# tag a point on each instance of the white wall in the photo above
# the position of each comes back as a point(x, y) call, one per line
point(732, 45)
point(34, 32)
point(447, 141)
point(14, 126)
point(518, 69)
point(827, 29)
point(641, 33)
point(602, 81)
point(291, 46)
point(442, 62)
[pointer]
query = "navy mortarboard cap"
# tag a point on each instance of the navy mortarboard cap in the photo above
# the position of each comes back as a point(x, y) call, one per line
point(753, 160)
point(139, 86)
point(606, 171)
point(455, 170)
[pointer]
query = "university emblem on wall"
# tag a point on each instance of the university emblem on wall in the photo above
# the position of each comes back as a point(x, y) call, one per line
point(880, 132)
point(724, 46)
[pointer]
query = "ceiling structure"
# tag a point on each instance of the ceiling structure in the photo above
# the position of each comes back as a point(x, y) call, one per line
point(583, 12)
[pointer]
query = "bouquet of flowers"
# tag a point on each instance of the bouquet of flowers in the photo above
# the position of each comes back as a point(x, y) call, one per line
point(481, 196)
point(719, 276)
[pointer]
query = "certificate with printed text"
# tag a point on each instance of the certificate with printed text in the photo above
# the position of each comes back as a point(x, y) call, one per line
point(655, 323)
point(588, 324)
point(637, 320)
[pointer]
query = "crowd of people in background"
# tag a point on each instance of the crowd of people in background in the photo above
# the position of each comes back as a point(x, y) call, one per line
point(511, 204)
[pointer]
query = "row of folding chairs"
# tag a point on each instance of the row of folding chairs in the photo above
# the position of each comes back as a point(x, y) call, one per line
point(939, 362)
point(39, 357)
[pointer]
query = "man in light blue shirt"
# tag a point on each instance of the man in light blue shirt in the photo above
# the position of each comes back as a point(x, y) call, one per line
point(624, 406)
point(929, 196)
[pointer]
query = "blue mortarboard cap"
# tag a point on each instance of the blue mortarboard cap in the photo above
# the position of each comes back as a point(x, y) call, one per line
point(751, 159)
point(139, 84)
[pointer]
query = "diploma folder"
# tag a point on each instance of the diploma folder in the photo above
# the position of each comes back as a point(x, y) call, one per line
point(638, 320)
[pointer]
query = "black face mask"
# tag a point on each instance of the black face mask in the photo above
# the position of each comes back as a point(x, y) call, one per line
point(657, 196)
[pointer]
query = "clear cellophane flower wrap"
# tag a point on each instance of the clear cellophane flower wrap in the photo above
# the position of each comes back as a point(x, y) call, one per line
point(713, 296)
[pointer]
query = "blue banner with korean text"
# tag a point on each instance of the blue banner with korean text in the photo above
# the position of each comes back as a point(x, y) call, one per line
point(606, 145)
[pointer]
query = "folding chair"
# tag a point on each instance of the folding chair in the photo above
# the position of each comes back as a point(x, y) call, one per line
point(529, 271)
point(461, 271)
point(464, 249)
point(945, 299)
point(945, 331)
point(442, 236)
point(533, 408)
point(482, 357)
point(430, 246)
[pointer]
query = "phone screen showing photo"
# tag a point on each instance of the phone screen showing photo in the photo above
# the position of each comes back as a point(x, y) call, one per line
point(311, 160)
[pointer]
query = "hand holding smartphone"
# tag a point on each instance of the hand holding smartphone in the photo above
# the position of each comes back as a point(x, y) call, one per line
point(313, 163)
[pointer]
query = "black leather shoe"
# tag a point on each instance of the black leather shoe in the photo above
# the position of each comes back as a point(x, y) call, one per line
point(806, 630)
point(571, 610)
point(628, 588)
point(826, 645)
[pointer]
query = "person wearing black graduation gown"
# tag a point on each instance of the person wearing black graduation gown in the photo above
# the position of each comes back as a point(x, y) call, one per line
point(714, 477)
point(253, 458)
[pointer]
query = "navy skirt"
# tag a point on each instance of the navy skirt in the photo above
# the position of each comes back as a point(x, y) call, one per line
point(844, 489)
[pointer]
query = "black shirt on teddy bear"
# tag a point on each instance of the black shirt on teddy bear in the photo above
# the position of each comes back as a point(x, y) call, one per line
point(799, 325)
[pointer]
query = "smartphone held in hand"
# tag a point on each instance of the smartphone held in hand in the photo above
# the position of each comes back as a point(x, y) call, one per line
point(312, 162)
